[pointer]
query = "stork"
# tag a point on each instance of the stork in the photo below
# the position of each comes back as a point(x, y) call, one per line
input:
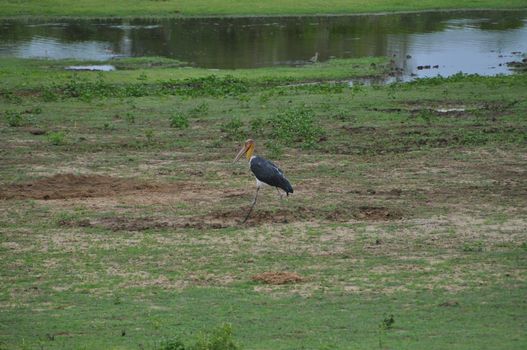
point(265, 171)
point(314, 59)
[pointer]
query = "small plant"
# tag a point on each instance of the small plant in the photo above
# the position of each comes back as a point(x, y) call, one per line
point(476, 246)
point(427, 116)
point(384, 325)
point(14, 119)
point(49, 94)
point(130, 118)
point(244, 99)
point(388, 322)
point(34, 110)
point(108, 126)
point(274, 150)
point(199, 110)
point(296, 125)
point(149, 135)
point(234, 129)
point(257, 126)
point(56, 138)
point(179, 121)
point(264, 98)
point(172, 344)
point(220, 338)
point(13, 98)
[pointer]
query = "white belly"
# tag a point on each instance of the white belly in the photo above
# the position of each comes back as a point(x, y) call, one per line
point(259, 183)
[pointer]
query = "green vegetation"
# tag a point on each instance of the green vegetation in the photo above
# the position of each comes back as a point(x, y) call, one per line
point(99, 8)
point(13, 118)
point(50, 74)
point(220, 338)
point(120, 209)
point(56, 138)
point(179, 120)
point(295, 125)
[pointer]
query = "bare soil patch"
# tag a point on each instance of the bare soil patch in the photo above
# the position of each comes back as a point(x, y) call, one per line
point(278, 277)
point(123, 223)
point(232, 217)
point(378, 213)
point(64, 186)
point(369, 213)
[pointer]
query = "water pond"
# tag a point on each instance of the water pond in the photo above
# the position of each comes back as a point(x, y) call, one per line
point(422, 44)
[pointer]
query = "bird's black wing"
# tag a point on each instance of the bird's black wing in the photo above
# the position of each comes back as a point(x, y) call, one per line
point(276, 166)
point(270, 174)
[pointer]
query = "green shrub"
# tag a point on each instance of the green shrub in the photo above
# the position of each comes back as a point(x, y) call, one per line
point(149, 133)
point(206, 86)
point(13, 118)
point(179, 121)
point(130, 118)
point(476, 246)
point(172, 344)
point(56, 138)
point(234, 129)
point(220, 338)
point(274, 150)
point(49, 94)
point(200, 110)
point(296, 125)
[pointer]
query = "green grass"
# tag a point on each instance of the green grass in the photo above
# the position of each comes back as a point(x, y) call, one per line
point(31, 73)
point(398, 209)
point(98, 8)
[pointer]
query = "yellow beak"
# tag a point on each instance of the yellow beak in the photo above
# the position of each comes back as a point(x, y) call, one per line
point(241, 153)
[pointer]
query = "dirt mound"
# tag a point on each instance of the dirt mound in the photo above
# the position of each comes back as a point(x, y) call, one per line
point(301, 213)
point(64, 186)
point(123, 223)
point(369, 213)
point(258, 216)
point(378, 213)
point(233, 217)
point(278, 277)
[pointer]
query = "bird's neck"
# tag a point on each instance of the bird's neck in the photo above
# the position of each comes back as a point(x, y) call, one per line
point(250, 151)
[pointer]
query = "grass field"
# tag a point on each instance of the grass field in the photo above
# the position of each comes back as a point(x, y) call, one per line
point(100, 8)
point(120, 209)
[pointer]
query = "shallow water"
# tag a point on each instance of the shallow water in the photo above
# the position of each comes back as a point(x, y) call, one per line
point(479, 42)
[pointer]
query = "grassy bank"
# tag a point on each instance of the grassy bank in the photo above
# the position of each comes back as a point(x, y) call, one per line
point(17, 74)
point(99, 8)
point(119, 212)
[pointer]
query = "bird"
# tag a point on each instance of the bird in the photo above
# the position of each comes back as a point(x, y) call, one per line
point(314, 59)
point(265, 171)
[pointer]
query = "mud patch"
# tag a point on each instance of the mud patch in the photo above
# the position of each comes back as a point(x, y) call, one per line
point(301, 213)
point(262, 216)
point(367, 213)
point(378, 213)
point(278, 278)
point(230, 218)
point(123, 223)
point(64, 186)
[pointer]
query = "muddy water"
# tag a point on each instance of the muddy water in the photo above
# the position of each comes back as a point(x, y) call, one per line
point(448, 42)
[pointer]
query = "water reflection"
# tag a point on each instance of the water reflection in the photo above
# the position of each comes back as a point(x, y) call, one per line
point(471, 42)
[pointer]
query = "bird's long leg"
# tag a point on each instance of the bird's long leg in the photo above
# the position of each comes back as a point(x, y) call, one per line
point(252, 206)
point(279, 193)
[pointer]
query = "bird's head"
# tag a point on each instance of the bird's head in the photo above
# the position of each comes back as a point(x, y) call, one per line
point(247, 149)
